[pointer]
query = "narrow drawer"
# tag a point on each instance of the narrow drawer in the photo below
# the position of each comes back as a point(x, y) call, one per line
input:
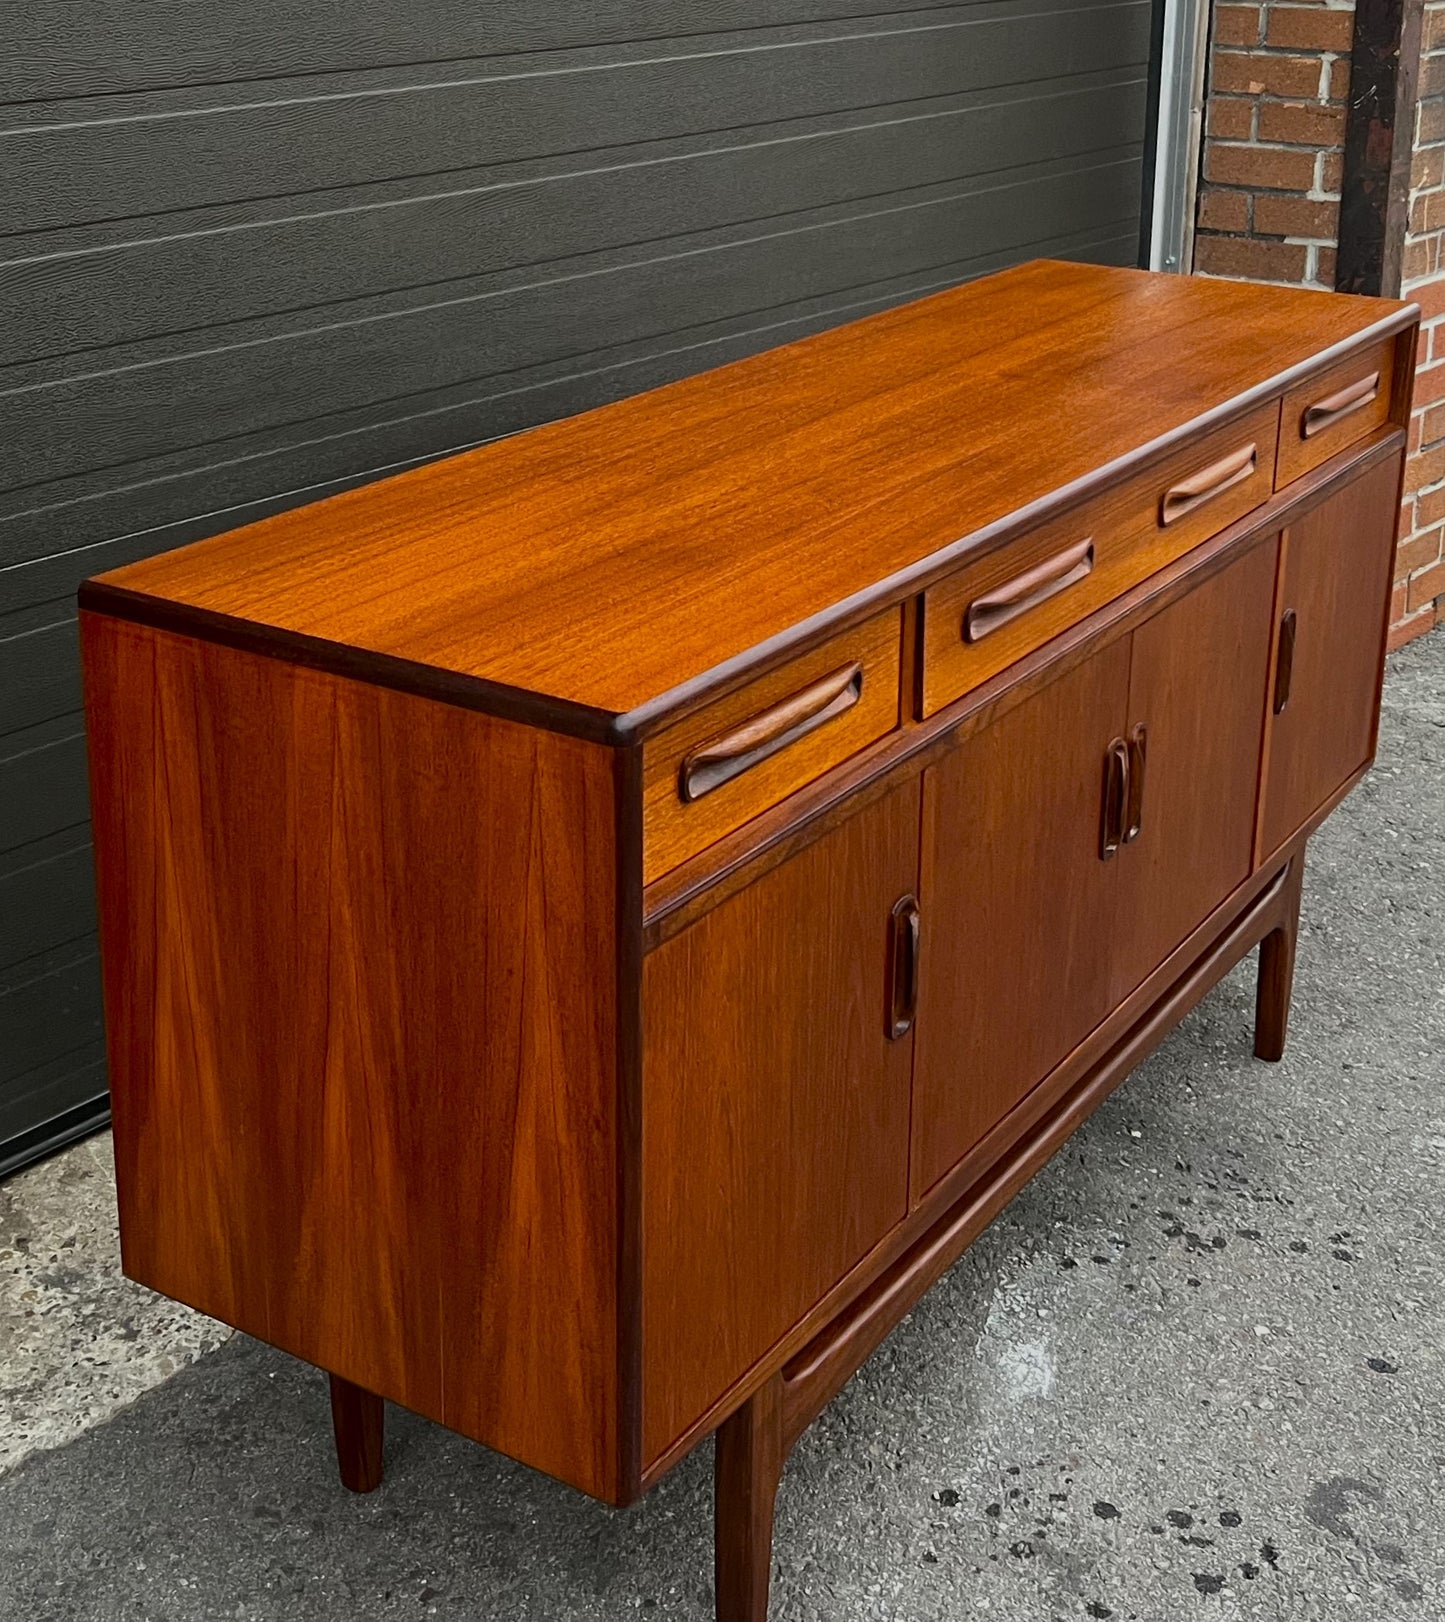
point(723, 764)
point(992, 612)
point(1333, 410)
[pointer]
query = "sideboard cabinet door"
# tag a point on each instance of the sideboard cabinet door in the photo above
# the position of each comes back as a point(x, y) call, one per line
point(1329, 632)
point(1018, 907)
point(1034, 931)
point(775, 1105)
point(1196, 705)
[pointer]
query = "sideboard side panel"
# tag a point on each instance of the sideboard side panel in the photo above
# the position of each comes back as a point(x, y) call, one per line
point(360, 975)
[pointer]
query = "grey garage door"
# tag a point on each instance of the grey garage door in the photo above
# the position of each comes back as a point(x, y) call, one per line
point(253, 251)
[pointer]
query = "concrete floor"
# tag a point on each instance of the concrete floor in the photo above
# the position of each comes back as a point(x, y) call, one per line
point(1194, 1371)
point(78, 1341)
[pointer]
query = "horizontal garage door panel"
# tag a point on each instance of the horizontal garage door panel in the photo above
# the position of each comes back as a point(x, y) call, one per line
point(43, 784)
point(290, 140)
point(59, 48)
point(85, 298)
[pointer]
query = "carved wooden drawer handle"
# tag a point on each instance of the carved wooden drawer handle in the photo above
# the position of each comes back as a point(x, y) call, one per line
point(1324, 413)
point(719, 760)
point(1182, 498)
point(996, 608)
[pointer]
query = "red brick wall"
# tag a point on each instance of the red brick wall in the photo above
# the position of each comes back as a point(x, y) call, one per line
point(1269, 203)
point(1419, 567)
point(1269, 195)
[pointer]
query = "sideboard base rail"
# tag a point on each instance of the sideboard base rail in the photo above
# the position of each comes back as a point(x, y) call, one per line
point(754, 1442)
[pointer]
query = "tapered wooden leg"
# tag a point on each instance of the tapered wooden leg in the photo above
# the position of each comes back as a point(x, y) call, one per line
point(1276, 971)
point(750, 1456)
point(357, 1417)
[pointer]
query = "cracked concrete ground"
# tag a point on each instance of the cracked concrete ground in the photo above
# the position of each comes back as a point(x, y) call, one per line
point(1194, 1371)
point(77, 1340)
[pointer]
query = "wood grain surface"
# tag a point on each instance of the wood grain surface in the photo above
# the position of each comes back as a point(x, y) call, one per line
point(775, 1109)
point(674, 829)
point(705, 879)
point(1335, 579)
point(361, 1002)
point(610, 560)
point(1197, 686)
point(1018, 908)
point(1299, 452)
point(358, 1424)
point(1130, 544)
point(1275, 984)
point(751, 1449)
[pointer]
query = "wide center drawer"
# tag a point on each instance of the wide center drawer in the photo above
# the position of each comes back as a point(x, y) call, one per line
point(720, 766)
point(980, 620)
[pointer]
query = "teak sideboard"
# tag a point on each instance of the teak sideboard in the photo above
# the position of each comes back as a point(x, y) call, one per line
point(594, 926)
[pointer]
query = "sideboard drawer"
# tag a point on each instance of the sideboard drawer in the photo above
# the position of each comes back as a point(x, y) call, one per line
point(1333, 410)
point(992, 612)
point(723, 764)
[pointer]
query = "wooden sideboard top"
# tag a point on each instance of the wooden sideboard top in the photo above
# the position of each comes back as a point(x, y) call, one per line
point(594, 573)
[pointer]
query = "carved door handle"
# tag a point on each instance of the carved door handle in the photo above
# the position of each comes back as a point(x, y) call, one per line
point(1284, 661)
point(905, 929)
point(1138, 760)
point(1116, 798)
